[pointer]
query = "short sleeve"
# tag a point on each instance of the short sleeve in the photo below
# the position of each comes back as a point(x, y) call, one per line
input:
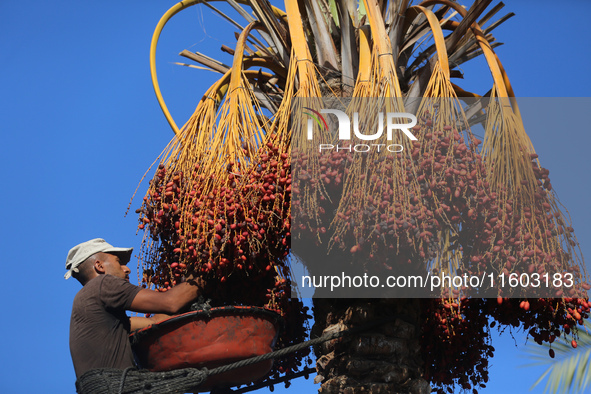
point(117, 293)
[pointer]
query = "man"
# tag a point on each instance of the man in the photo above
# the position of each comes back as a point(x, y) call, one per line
point(99, 326)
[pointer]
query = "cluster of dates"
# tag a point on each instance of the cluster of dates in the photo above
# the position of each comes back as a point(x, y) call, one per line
point(233, 231)
point(393, 213)
point(392, 209)
point(456, 333)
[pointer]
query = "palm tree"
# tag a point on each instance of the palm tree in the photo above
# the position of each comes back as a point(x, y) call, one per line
point(448, 206)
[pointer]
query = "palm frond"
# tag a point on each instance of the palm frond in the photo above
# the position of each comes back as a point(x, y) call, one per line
point(568, 371)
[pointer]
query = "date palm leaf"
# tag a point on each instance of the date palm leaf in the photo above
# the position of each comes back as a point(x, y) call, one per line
point(569, 370)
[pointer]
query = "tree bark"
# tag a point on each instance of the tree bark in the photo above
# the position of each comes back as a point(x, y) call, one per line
point(383, 359)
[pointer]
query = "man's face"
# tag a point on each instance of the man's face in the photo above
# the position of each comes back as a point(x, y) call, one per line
point(112, 266)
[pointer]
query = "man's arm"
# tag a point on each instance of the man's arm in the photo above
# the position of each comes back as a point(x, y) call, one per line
point(138, 322)
point(169, 302)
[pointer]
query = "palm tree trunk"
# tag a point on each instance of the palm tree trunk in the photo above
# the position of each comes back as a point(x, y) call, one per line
point(383, 359)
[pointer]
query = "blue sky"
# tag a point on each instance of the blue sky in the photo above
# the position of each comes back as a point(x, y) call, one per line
point(80, 126)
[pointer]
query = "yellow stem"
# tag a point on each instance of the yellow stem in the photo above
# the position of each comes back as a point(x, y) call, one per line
point(489, 54)
point(382, 42)
point(298, 37)
point(364, 54)
point(437, 35)
point(165, 18)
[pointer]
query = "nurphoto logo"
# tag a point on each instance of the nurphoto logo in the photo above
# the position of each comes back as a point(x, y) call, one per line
point(393, 124)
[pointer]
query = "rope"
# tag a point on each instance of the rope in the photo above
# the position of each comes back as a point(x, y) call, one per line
point(295, 348)
point(100, 381)
point(207, 312)
point(125, 371)
point(133, 381)
point(276, 353)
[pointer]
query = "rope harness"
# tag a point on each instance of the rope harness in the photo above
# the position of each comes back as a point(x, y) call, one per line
point(134, 381)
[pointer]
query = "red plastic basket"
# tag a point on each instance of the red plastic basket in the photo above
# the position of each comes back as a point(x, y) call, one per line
point(210, 338)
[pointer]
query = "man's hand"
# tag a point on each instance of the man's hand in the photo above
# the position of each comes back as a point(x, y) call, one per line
point(198, 281)
point(169, 302)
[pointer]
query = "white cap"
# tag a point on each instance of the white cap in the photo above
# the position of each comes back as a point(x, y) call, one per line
point(79, 253)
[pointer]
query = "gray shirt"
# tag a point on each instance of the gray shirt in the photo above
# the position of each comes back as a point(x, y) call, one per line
point(99, 326)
